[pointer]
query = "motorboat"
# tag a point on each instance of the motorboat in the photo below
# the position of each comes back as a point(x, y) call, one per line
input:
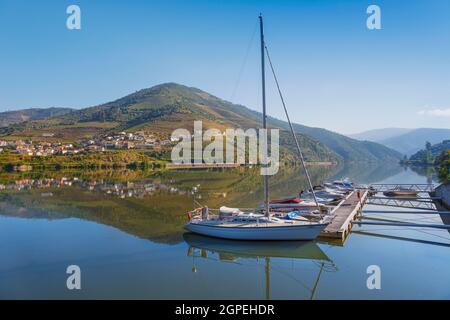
point(344, 185)
point(325, 196)
point(295, 203)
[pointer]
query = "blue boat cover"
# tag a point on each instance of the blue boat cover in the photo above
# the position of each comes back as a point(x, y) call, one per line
point(292, 214)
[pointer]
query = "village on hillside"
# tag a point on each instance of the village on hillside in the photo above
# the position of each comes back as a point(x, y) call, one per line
point(139, 140)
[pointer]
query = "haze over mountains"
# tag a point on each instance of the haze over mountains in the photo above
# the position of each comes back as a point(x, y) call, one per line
point(169, 106)
point(379, 134)
point(406, 141)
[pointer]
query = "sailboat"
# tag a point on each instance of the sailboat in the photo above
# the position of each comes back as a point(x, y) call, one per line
point(254, 225)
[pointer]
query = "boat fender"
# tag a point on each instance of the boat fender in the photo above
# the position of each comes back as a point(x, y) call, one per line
point(205, 213)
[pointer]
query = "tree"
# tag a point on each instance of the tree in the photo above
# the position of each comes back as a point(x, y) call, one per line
point(444, 169)
point(429, 159)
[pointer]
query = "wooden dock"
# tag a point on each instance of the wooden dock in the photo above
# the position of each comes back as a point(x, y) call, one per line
point(344, 213)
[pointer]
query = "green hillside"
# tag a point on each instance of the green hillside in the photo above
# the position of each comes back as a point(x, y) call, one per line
point(165, 107)
point(430, 155)
point(11, 117)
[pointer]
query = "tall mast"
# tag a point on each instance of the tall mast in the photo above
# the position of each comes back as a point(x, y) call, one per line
point(263, 81)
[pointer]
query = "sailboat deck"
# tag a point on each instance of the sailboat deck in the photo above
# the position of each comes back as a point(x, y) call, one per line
point(233, 224)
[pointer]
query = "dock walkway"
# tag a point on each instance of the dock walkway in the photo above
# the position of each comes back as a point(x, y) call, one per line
point(344, 213)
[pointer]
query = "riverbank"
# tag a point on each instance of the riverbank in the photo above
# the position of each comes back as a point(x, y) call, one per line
point(98, 160)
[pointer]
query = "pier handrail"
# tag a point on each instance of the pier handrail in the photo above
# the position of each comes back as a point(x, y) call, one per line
point(421, 187)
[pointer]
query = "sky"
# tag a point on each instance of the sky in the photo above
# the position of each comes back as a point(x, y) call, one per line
point(334, 72)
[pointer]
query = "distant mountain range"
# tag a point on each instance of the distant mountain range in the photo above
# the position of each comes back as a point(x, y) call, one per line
point(406, 141)
point(165, 107)
point(10, 117)
point(379, 134)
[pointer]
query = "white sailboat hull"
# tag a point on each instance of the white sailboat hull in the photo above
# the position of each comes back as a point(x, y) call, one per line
point(294, 232)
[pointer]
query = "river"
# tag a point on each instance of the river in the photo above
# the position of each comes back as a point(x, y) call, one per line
point(125, 232)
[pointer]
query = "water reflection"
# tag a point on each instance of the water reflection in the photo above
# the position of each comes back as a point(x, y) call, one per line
point(231, 250)
point(222, 250)
point(145, 250)
point(153, 206)
point(361, 172)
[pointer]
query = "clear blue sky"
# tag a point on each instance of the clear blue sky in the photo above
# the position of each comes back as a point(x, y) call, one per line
point(335, 73)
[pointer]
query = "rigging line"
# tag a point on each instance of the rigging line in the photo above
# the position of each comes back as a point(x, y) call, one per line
point(198, 203)
point(286, 274)
point(292, 129)
point(431, 234)
point(244, 63)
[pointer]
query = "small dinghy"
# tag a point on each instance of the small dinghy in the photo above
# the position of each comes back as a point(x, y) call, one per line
point(401, 192)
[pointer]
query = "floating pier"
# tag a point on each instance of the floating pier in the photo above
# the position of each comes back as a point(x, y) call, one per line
point(407, 212)
point(344, 213)
point(404, 224)
point(419, 187)
point(424, 201)
point(408, 203)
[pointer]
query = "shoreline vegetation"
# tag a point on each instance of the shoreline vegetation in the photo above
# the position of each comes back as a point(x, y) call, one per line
point(444, 169)
point(99, 160)
point(441, 165)
point(119, 159)
point(435, 156)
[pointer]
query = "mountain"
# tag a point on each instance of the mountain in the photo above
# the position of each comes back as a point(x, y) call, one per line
point(377, 135)
point(431, 154)
point(11, 117)
point(406, 141)
point(413, 141)
point(165, 107)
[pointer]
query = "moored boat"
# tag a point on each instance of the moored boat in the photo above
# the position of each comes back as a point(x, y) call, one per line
point(325, 196)
point(295, 203)
point(237, 225)
point(257, 227)
point(401, 192)
point(343, 185)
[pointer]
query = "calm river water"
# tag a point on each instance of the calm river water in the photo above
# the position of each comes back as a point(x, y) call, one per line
point(125, 231)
